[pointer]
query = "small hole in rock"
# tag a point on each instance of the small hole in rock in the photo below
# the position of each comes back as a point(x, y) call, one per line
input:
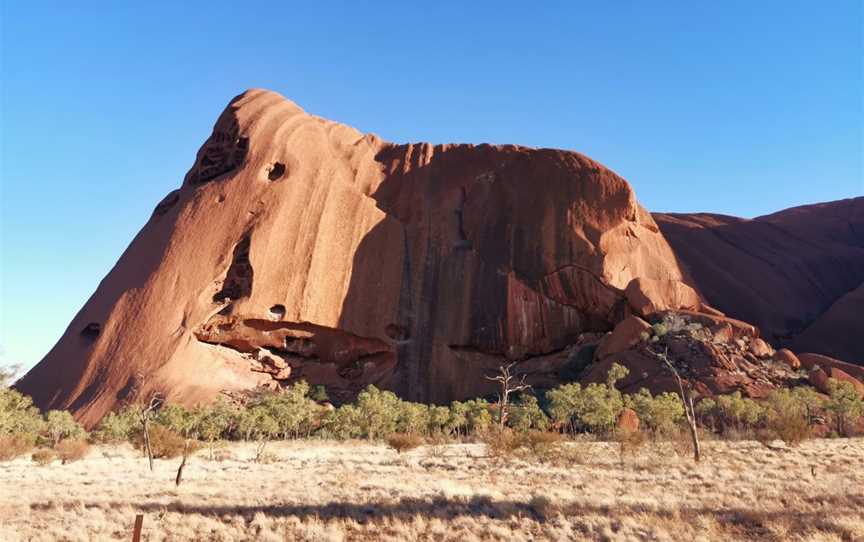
point(276, 171)
point(397, 332)
point(91, 330)
point(221, 198)
point(277, 311)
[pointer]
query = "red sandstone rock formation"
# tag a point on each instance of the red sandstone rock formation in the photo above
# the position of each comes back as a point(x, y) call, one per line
point(796, 274)
point(299, 248)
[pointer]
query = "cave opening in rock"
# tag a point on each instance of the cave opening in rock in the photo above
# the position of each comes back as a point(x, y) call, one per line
point(277, 312)
point(91, 331)
point(276, 171)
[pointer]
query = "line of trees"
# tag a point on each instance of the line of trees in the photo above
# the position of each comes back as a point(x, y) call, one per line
point(301, 412)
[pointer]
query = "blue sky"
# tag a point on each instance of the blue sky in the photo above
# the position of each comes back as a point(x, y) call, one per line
point(732, 107)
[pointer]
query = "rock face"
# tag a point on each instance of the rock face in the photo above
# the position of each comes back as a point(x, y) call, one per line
point(798, 274)
point(299, 248)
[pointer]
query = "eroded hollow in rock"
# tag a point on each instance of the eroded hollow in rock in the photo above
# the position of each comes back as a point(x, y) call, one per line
point(91, 331)
point(277, 312)
point(276, 171)
point(397, 332)
point(238, 279)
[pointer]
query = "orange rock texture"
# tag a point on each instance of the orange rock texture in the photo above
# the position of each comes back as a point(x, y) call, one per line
point(299, 248)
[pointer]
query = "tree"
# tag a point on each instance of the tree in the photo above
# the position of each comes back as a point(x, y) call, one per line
point(257, 423)
point(844, 402)
point(527, 414)
point(660, 414)
point(689, 411)
point(509, 385)
point(146, 411)
point(210, 422)
point(59, 425)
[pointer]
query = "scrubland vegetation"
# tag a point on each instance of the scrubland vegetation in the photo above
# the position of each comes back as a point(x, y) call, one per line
point(551, 465)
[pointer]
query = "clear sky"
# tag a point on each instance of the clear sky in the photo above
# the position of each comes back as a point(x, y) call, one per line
point(733, 107)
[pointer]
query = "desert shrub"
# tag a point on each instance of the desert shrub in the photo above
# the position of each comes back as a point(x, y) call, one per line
point(73, 449)
point(412, 418)
point(12, 446)
point(594, 407)
point(403, 442)
point(378, 412)
point(60, 425)
point(43, 457)
point(341, 423)
point(501, 442)
point(318, 393)
point(292, 409)
point(563, 404)
point(438, 419)
point(178, 419)
point(116, 426)
point(787, 417)
point(164, 443)
point(629, 442)
point(211, 422)
point(526, 414)
point(256, 423)
point(543, 445)
point(457, 420)
point(18, 416)
point(739, 412)
point(660, 414)
point(844, 404)
point(706, 413)
point(478, 416)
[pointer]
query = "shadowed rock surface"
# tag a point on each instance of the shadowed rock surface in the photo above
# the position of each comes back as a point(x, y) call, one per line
point(797, 274)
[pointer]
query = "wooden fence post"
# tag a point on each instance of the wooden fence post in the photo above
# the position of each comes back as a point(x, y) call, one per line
point(136, 533)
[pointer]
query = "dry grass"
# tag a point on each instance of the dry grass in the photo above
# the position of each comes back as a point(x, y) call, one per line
point(359, 491)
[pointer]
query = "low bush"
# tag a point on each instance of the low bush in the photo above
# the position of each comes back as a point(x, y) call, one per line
point(70, 450)
point(164, 443)
point(43, 457)
point(403, 442)
point(12, 446)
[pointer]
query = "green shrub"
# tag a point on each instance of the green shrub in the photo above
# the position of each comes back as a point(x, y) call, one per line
point(844, 404)
point(660, 414)
point(18, 416)
point(293, 411)
point(116, 426)
point(318, 394)
point(378, 412)
point(739, 412)
point(787, 417)
point(526, 414)
point(60, 425)
point(342, 423)
point(593, 408)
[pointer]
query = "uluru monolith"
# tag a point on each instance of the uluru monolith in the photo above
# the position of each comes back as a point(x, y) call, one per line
point(299, 248)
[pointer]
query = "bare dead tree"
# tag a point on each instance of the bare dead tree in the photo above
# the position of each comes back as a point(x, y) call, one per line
point(689, 411)
point(145, 409)
point(179, 478)
point(145, 414)
point(508, 385)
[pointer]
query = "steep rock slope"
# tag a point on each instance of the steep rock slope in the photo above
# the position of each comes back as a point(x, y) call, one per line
point(796, 274)
point(300, 248)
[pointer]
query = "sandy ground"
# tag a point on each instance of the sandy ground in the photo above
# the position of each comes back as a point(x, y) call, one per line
point(357, 491)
